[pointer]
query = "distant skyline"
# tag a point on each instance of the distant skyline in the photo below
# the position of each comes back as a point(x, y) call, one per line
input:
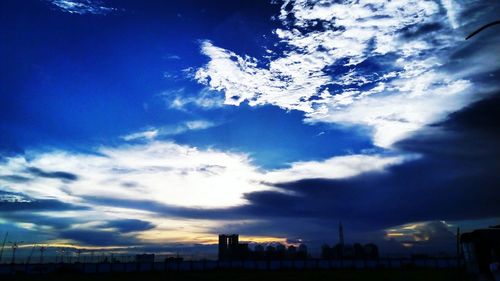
point(156, 125)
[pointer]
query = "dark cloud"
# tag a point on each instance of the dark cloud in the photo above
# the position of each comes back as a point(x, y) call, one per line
point(411, 32)
point(15, 178)
point(55, 175)
point(97, 237)
point(18, 202)
point(38, 205)
point(130, 225)
point(54, 223)
point(455, 178)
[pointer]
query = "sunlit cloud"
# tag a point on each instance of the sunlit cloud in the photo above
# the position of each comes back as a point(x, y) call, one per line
point(162, 172)
point(350, 63)
point(335, 167)
point(413, 234)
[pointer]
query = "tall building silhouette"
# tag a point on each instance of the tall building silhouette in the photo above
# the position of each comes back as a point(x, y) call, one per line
point(230, 247)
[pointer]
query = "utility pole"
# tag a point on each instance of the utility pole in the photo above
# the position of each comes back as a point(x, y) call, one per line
point(42, 249)
point(341, 234)
point(3, 245)
point(14, 246)
point(61, 251)
point(78, 253)
point(31, 254)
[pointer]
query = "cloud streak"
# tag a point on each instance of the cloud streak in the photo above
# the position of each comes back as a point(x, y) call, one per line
point(184, 127)
point(82, 7)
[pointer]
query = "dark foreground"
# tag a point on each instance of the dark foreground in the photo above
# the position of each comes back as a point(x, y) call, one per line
point(289, 275)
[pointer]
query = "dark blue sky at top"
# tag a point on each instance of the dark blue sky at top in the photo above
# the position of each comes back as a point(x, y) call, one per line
point(80, 81)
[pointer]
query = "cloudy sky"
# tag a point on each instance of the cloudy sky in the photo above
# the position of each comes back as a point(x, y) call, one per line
point(156, 125)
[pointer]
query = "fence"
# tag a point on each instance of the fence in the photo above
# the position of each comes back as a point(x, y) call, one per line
point(178, 265)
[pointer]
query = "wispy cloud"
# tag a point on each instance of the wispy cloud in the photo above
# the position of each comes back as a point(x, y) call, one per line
point(152, 133)
point(452, 12)
point(351, 63)
point(180, 100)
point(82, 7)
point(335, 167)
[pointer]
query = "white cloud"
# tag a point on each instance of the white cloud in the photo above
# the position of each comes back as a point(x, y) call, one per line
point(166, 173)
point(169, 173)
point(152, 133)
point(172, 57)
point(451, 11)
point(205, 99)
point(335, 167)
point(82, 7)
point(393, 117)
point(147, 134)
point(406, 92)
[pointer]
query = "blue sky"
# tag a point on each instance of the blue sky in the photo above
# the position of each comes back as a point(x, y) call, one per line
point(158, 123)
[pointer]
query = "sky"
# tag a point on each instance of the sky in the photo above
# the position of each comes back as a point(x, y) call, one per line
point(156, 125)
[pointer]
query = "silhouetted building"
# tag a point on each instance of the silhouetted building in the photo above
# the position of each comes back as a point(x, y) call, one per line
point(258, 248)
point(357, 251)
point(145, 258)
point(338, 251)
point(481, 248)
point(348, 252)
point(270, 252)
point(280, 251)
point(326, 252)
point(302, 254)
point(174, 259)
point(344, 251)
point(371, 251)
point(231, 249)
point(291, 252)
point(258, 252)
